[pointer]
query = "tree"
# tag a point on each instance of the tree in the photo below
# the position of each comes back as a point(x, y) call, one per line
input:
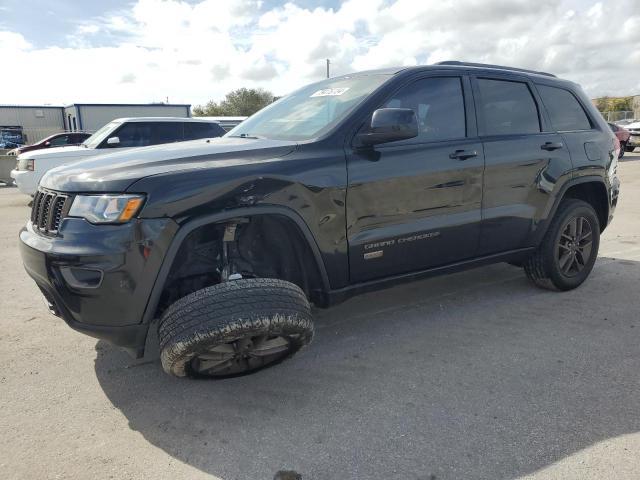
point(614, 104)
point(621, 104)
point(602, 104)
point(242, 102)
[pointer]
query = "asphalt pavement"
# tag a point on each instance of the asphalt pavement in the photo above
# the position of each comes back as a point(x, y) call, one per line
point(476, 375)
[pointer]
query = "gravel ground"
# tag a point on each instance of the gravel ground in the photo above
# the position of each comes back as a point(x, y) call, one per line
point(476, 375)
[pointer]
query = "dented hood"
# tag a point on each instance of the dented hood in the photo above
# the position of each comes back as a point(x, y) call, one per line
point(115, 172)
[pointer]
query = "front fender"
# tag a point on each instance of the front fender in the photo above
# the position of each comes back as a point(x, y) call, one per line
point(221, 217)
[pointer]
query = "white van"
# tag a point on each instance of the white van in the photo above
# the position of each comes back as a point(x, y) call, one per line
point(118, 134)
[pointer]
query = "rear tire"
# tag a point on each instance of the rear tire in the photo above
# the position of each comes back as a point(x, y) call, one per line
point(629, 148)
point(234, 328)
point(569, 249)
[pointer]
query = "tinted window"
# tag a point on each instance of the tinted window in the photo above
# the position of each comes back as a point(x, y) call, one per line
point(439, 106)
point(507, 107)
point(565, 111)
point(77, 138)
point(59, 141)
point(166, 132)
point(134, 134)
point(194, 131)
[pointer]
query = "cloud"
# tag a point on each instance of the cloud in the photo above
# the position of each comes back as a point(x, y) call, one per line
point(196, 51)
point(128, 78)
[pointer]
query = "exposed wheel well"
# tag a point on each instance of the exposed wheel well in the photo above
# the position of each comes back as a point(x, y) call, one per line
point(595, 194)
point(261, 246)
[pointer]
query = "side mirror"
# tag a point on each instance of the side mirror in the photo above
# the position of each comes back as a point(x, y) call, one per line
point(47, 144)
point(113, 141)
point(390, 125)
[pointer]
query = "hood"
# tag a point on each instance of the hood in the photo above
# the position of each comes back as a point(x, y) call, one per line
point(115, 172)
point(59, 152)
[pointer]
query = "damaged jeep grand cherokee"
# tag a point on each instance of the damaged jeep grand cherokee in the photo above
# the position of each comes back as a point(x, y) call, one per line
point(347, 185)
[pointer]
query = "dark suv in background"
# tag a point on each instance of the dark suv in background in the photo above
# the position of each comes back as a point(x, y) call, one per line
point(347, 185)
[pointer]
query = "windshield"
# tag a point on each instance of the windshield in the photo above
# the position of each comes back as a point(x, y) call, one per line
point(94, 140)
point(311, 111)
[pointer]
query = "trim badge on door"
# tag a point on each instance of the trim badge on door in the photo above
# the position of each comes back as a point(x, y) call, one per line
point(371, 255)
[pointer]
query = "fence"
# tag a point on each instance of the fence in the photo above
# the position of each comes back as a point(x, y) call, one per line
point(618, 116)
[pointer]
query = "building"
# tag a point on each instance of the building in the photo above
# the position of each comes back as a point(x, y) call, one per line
point(89, 117)
point(36, 121)
point(40, 121)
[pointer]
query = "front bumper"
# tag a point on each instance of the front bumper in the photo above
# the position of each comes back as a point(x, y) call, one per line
point(98, 278)
point(26, 181)
point(634, 140)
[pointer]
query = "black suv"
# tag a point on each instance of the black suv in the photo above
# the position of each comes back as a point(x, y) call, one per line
point(350, 184)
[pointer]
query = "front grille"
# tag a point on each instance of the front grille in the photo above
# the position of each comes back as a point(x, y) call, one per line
point(49, 208)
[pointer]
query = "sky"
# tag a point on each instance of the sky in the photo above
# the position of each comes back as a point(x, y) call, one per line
point(140, 51)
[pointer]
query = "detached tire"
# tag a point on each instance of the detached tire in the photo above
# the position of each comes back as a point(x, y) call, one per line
point(234, 328)
point(569, 249)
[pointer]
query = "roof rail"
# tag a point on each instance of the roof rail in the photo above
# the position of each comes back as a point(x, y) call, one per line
point(486, 65)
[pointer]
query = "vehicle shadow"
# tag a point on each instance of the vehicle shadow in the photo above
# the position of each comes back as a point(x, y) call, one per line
point(474, 375)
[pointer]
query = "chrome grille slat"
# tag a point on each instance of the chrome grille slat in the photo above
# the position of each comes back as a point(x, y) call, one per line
point(48, 211)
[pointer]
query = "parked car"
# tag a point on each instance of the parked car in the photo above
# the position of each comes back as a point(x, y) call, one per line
point(634, 138)
point(56, 140)
point(347, 185)
point(120, 134)
point(622, 134)
point(11, 137)
point(626, 122)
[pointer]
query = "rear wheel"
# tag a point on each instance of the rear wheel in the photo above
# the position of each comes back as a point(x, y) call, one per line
point(234, 328)
point(569, 249)
point(629, 148)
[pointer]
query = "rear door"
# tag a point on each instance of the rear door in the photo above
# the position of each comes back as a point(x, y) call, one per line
point(167, 132)
point(524, 160)
point(416, 203)
point(585, 140)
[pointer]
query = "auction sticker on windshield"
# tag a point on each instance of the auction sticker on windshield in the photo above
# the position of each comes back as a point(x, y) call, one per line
point(330, 92)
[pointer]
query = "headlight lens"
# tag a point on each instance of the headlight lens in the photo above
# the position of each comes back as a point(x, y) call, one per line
point(106, 208)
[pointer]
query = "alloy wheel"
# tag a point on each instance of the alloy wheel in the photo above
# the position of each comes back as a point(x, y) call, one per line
point(574, 246)
point(241, 356)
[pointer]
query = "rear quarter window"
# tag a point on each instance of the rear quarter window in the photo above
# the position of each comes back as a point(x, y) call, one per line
point(195, 130)
point(564, 110)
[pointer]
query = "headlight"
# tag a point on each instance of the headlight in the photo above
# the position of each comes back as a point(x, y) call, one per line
point(106, 208)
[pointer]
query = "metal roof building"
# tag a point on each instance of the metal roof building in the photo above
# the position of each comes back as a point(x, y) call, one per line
point(40, 121)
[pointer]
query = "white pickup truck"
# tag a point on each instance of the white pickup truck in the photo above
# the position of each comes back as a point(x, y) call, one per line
point(118, 134)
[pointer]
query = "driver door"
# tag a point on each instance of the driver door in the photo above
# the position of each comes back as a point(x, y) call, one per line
point(416, 204)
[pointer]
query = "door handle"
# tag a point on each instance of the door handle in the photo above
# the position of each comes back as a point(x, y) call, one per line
point(552, 146)
point(463, 154)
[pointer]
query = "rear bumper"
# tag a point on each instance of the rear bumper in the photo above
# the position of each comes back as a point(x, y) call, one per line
point(634, 140)
point(613, 201)
point(98, 278)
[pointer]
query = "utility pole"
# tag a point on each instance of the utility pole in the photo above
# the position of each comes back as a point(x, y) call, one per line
point(328, 68)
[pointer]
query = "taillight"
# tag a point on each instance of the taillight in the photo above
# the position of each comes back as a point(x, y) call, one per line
point(31, 165)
